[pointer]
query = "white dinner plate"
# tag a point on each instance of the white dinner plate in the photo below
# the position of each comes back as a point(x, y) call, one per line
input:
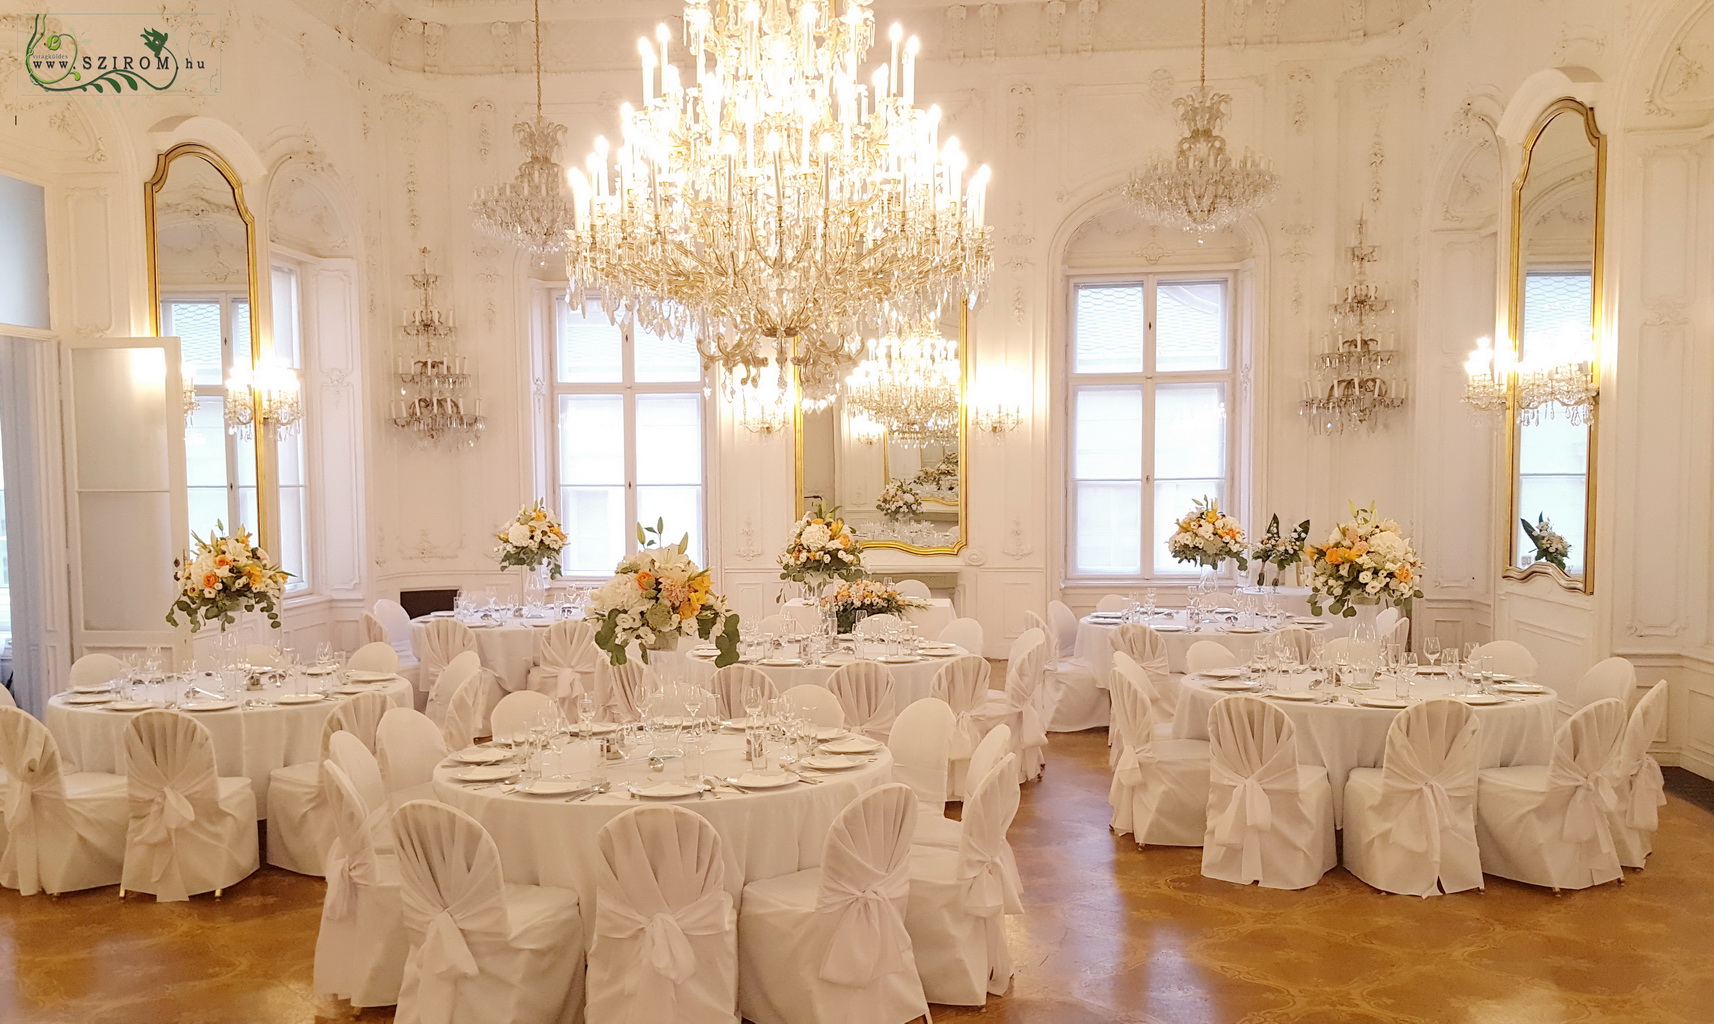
point(595, 729)
point(832, 762)
point(1502, 677)
point(938, 652)
point(666, 790)
point(486, 773)
point(365, 676)
point(1168, 627)
point(299, 698)
point(88, 698)
point(898, 659)
point(93, 688)
point(1244, 629)
point(480, 755)
point(763, 780)
point(836, 660)
point(1481, 700)
point(319, 670)
point(782, 662)
point(1294, 695)
point(1384, 702)
point(1431, 670)
point(132, 705)
point(825, 733)
point(551, 787)
point(936, 645)
point(1230, 684)
point(736, 724)
point(851, 745)
point(352, 691)
point(209, 705)
point(1223, 673)
point(1521, 688)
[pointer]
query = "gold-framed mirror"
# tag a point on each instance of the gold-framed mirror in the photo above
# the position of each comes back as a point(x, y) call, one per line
point(1555, 301)
point(205, 284)
point(899, 480)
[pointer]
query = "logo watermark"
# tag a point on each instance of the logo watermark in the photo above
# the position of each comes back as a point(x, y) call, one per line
point(114, 53)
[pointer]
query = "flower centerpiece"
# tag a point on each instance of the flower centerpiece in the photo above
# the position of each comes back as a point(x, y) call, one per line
point(1550, 546)
point(1208, 537)
point(531, 539)
point(898, 500)
point(1280, 552)
point(940, 475)
point(1366, 561)
point(221, 576)
point(856, 601)
point(657, 596)
point(822, 549)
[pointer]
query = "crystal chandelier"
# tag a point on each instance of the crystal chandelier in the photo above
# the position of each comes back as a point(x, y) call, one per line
point(1496, 381)
point(777, 207)
point(1199, 187)
point(531, 211)
point(1356, 381)
point(762, 405)
point(265, 397)
point(436, 390)
point(909, 385)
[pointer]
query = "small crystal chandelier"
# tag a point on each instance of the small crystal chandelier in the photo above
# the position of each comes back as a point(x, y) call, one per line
point(782, 204)
point(531, 211)
point(1487, 377)
point(909, 385)
point(1497, 381)
point(266, 397)
point(1199, 187)
point(436, 399)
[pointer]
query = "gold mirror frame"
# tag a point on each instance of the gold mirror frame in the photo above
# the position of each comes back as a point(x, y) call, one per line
point(963, 455)
point(1584, 583)
point(151, 192)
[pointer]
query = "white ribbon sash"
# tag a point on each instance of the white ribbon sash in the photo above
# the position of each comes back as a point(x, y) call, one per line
point(867, 938)
point(665, 944)
point(20, 850)
point(443, 961)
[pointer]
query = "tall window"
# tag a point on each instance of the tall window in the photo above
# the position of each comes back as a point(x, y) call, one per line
point(1553, 453)
point(291, 472)
point(1151, 378)
point(628, 438)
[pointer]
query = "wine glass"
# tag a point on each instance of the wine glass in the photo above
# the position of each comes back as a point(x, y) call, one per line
point(323, 653)
point(1431, 649)
point(585, 713)
point(693, 701)
point(754, 700)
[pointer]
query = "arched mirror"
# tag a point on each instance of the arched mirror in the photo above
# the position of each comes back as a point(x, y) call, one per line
point(1555, 291)
point(889, 450)
point(203, 289)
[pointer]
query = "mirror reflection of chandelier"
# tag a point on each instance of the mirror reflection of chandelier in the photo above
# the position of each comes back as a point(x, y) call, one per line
point(778, 204)
point(909, 385)
point(266, 397)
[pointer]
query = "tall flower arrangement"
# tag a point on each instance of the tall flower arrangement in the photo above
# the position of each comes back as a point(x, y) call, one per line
point(1208, 537)
point(658, 596)
point(1279, 552)
point(1366, 560)
point(898, 500)
point(533, 537)
point(821, 549)
point(1550, 545)
point(221, 576)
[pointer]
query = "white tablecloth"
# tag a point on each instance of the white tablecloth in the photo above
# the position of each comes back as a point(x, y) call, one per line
point(911, 681)
point(550, 841)
point(1095, 641)
point(248, 741)
point(1342, 737)
point(928, 621)
point(507, 649)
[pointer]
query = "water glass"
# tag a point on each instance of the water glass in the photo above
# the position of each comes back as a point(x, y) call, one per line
point(585, 713)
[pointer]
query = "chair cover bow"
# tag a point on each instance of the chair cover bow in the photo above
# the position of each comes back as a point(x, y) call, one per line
point(341, 884)
point(445, 960)
point(1250, 811)
point(1648, 792)
point(20, 848)
point(1430, 814)
point(665, 935)
point(1591, 799)
point(868, 938)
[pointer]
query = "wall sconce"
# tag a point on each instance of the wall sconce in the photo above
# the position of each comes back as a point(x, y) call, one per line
point(1487, 377)
point(994, 404)
point(266, 397)
point(867, 429)
point(187, 381)
point(1497, 380)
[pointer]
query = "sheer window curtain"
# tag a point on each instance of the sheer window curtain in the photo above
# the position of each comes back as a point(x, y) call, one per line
point(30, 446)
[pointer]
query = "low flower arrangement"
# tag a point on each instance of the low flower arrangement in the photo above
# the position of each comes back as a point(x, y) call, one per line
point(1279, 552)
point(940, 476)
point(531, 538)
point(1550, 546)
point(822, 549)
point(221, 576)
point(1208, 537)
point(1367, 560)
point(658, 596)
point(899, 500)
point(854, 602)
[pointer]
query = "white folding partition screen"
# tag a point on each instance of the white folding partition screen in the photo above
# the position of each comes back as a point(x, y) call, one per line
point(125, 472)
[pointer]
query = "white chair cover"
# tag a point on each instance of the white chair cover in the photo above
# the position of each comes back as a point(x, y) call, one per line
point(1147, 650)
point(375, 656)
point(467, 714)
point(1299, 641)
point(1551, 824)
point(1206, 654)
point(966, 633)
point(988, 754)
point(360, 950)
point(959, 898)
point(373, 631)
point(729, 683)
point(1638, 787)
point(618, 688)
point(300, 826)
point(816, 703)
point(437, 643)
point(566, 656)
point(1613, 678)
point(1063, 623)
point(1034, 621)
point(1270, 819)
point(878, 623)
point(407, 748)
point(1070, 699)
point(1151, 685)
point(921, 745)
point(481, 951)
point(518, 711)
point(1110, 603)
point(1510, 657)
point(963, 683)
point(776, 624)
point(1159, 792)
point(666, 940)
point(463, 667)
point(1016, 706)
point(913, 588)
point(829, 945)
point(1399, 633)
point(1410, 825)
point(190, 831)
point(63, 832)
point(263, 656)
point(865, 690)
point(396, 621)
point(95, 670)
point(6, 701)
point(1385, 620)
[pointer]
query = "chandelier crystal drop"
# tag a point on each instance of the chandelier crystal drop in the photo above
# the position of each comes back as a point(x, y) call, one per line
point(533, 210)
point(778, 202)
point(909, 385)
point(1198, 186)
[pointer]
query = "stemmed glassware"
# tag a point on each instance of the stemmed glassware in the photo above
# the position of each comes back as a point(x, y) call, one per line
point(585, 713)
point(1431, 649)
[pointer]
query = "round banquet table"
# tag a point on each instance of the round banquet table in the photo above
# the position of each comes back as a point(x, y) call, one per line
point(1095, 640)
point(551, 840)
point(912, 681)
point(1342, 736)
point(250, 740)
point(507, 647)
point(928, 621)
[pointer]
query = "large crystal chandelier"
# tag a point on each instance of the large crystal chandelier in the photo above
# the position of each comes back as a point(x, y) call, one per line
point(909, 385)
point(782, 203)
point(532, 211)
point(1198, 187)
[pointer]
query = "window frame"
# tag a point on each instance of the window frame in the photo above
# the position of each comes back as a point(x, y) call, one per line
point(628, 389)
point(1234, 378)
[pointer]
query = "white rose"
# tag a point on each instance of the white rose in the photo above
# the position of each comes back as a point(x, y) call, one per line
point(645, 636)
point(629, 620)
point(518, 535)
